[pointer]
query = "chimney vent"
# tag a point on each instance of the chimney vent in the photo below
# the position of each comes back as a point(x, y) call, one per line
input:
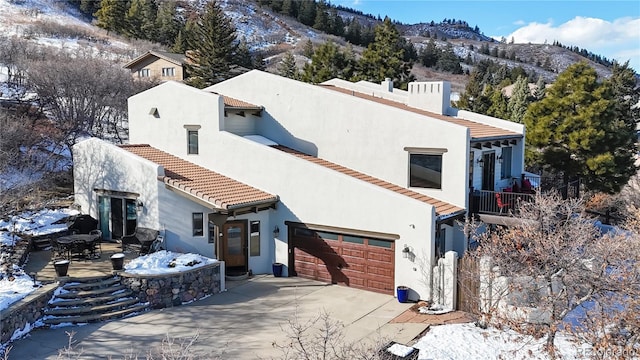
point(431, 96)
point(387, 85)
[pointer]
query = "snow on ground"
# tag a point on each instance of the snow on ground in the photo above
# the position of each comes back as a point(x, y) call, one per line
point(159, 263)
point(467, 341)
point(15, 284)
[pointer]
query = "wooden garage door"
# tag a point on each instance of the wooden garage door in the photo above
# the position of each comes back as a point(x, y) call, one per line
point(355, 261)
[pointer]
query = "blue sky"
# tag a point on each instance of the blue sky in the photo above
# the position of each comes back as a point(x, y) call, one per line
point(608, 28)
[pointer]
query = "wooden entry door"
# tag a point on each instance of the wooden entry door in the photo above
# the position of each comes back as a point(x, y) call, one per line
point(234, 244)
point(488, 170)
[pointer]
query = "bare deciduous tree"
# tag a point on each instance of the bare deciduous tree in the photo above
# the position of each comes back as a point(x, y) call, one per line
point(84, 95)
point(558, 263)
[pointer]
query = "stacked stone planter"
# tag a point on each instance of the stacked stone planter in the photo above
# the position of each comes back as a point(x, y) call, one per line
point(24, 312)
point(167, 290)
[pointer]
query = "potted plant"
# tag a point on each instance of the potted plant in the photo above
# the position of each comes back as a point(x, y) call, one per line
point(61, 266)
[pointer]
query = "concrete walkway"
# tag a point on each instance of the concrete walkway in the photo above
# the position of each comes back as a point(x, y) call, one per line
point(242, 323)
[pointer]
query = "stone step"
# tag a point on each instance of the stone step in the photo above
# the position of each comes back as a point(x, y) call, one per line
point(89, 285)
point(82, 310)
point(95, 317)
point(90, 301)
point(91, 293)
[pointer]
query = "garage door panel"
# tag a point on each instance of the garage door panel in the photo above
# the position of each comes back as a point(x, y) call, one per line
point(351, 262)
point(380, 256)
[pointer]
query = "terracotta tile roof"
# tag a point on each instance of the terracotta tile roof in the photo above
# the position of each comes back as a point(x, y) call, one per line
point(442, 208)
point(478, 130)
point(200, 182)
point(235, 103)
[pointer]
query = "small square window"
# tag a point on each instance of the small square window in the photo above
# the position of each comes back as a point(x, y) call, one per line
point(198, 224)
point(192, 141)
point(425, 171)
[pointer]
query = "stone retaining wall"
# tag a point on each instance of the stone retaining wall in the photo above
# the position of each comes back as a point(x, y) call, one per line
point(167, 290)
point(25, 311)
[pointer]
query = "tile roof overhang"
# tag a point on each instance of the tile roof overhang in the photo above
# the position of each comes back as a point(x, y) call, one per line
point(479, 131)
point(443, 209)
point(219, 191)
point(233, 104)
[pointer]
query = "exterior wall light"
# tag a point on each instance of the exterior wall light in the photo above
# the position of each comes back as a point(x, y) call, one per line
point(406, 251)
point(276, 231)
point(480, 161)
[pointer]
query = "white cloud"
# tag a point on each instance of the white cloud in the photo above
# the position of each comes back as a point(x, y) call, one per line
point(519, 22)
point(618, 39)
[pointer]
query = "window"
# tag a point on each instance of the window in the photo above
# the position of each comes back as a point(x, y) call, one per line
point(198, 224)
point(380, 243)
point(505, 169)
point(425, 171)
point(169, 71)
point(144, 73)
point(192, 141)
point(254, 238)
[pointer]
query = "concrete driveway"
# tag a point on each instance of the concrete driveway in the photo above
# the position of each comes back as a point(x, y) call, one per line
point(243, 322)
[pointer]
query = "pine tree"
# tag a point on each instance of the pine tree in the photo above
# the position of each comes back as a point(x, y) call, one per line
point(384, 58)
point(287, 67)
point(574, 131)
point(321, 21)
point(307, 12)
point(519, 100)
point(213, 47)
point(243, 55)
point(179, 44)
point(499, 105)
point(449, 61)
point(167, 24)
point(307, 49)
point(149, 16)
point(134, 19)
point(541, 87)
point(329, 62)
point(111, 15)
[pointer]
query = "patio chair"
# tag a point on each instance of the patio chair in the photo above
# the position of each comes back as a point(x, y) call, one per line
point(57, 251)
point(501, 205)
point(97, 244)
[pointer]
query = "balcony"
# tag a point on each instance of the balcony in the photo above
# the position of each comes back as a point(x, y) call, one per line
point(507, 201)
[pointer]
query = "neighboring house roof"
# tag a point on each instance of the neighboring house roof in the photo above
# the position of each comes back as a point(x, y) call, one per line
point(224, 192)
point(442, 208)
point(178, 59)
point(478, 130)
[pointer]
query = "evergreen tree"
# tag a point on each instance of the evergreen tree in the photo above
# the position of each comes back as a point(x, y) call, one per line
point(541, 86)
point(499, 105)
point(167, 23)
point(430, 54)
point(574, 131)
point(321, 21)
point(179, 44)
point(519, 101)
point(353, 34)
point(111, 15)
point(243, 55)
point(307, 12)
point(287, 66)
point(134, 19)
point(290, 8)
point(449, 61)
point(149, 16)
point(213, 47)
point(307, 49)
point(384, 58)
point(329, 62)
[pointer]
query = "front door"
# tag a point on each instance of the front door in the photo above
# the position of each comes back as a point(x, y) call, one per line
point(234, 246)
point(488, 171)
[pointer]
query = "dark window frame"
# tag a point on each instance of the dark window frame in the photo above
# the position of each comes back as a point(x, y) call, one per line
point(197, 226)
point(415, 158)
point(192, 142)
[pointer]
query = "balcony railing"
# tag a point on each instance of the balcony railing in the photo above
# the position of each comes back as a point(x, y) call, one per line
point(507, 202)
point(497, 202)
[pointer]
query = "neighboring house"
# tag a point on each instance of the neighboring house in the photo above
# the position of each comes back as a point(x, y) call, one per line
point(351, 183)
point(158, 65)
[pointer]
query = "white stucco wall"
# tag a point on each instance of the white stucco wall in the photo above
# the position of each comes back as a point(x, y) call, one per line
point(178, 106)
point(353, 132)
point(100, 165)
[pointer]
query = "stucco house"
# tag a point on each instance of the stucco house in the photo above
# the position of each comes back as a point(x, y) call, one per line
point(357, 184)
point(159, 65)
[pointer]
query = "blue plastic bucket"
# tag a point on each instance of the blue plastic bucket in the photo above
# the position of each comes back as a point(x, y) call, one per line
point(403, 294)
